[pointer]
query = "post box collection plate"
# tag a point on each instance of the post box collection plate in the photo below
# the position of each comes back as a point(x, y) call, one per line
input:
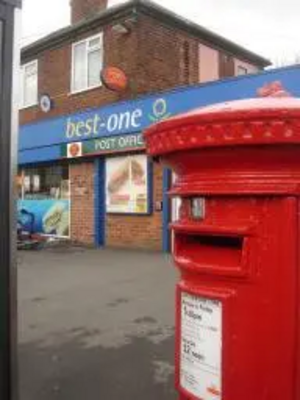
point(201, 346)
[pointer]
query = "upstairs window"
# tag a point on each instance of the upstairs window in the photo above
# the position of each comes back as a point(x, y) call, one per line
point(112, 3)
point(29, 84)
point(242, 70)
point(87, 62)
point(226, 66)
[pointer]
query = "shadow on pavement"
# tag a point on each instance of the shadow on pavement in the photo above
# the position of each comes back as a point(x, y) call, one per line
point(139, 369)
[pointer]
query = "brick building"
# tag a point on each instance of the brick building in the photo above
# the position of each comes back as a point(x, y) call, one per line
point(79, 139)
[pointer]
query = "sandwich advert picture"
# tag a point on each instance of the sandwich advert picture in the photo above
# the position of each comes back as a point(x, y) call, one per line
point(50, 217)
point(126, 184)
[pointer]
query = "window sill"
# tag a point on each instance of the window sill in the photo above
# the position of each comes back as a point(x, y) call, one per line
point(21, 108)
point(76, 92)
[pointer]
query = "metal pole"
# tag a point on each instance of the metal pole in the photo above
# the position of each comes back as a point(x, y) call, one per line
point(8, 155)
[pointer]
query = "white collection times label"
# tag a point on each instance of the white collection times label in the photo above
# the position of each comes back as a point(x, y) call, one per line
point(201, 347)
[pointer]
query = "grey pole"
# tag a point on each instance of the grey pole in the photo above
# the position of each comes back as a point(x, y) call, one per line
point(9, 63)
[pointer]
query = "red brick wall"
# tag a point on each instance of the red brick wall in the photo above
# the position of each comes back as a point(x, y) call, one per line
point(166, 58)
point(82, 202)
point(54, 76)
point(82, 9)
point(121, 231)
point(154, 58)
point(138, 231)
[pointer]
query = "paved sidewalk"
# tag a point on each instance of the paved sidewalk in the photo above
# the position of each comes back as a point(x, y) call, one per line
point(96, 325)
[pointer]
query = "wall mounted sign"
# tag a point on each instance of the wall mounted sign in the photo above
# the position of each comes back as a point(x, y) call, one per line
point(158, 206)
point(104, 145)
point(74, 150)
point(114, 79)
point(46, 103)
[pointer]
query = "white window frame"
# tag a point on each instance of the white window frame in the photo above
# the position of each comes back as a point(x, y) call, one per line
point(22, 91)
point(98, 36)
point(242, 70)
point(114, 3)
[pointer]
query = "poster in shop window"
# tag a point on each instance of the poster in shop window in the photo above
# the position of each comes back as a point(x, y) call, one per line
point(48, 217)
point(36, 183)
point(127, 184)
point(201, 347)
point(26, 183)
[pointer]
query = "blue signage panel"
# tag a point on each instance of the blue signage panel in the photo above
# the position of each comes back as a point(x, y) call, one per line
point(134, 116)
point(40, 154)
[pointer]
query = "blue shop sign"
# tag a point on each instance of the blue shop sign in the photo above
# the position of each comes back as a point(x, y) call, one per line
point(40, 141)
point(121, 118)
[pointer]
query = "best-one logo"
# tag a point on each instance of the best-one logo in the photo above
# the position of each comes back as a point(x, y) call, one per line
point(159, 110)
point(114, 123)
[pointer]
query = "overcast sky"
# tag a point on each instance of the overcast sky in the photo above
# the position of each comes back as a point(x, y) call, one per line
point(268, 27)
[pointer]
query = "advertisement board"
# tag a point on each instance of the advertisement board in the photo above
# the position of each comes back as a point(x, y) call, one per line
point(127, 184)
point(49, 217)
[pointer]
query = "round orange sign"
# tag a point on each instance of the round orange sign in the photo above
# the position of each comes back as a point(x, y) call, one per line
point(114, 79)
point(74, 149)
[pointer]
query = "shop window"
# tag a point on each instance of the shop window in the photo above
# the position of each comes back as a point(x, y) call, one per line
point(128, 185)
point(44, 183)
point(29, 84)
point(87, 62)
point(226, 65)
point(44, 196)
point(242, 70)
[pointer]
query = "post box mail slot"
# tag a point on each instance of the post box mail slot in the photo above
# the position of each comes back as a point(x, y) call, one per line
point(209, 252)
point(238, 307)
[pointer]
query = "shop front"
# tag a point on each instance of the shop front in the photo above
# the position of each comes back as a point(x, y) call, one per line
point(86, 176)
point(113, 188)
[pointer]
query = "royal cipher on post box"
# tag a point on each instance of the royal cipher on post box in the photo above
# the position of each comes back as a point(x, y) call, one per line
point(237, 248)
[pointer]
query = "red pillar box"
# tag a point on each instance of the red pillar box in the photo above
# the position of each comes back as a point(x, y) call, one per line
point(237, 248)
